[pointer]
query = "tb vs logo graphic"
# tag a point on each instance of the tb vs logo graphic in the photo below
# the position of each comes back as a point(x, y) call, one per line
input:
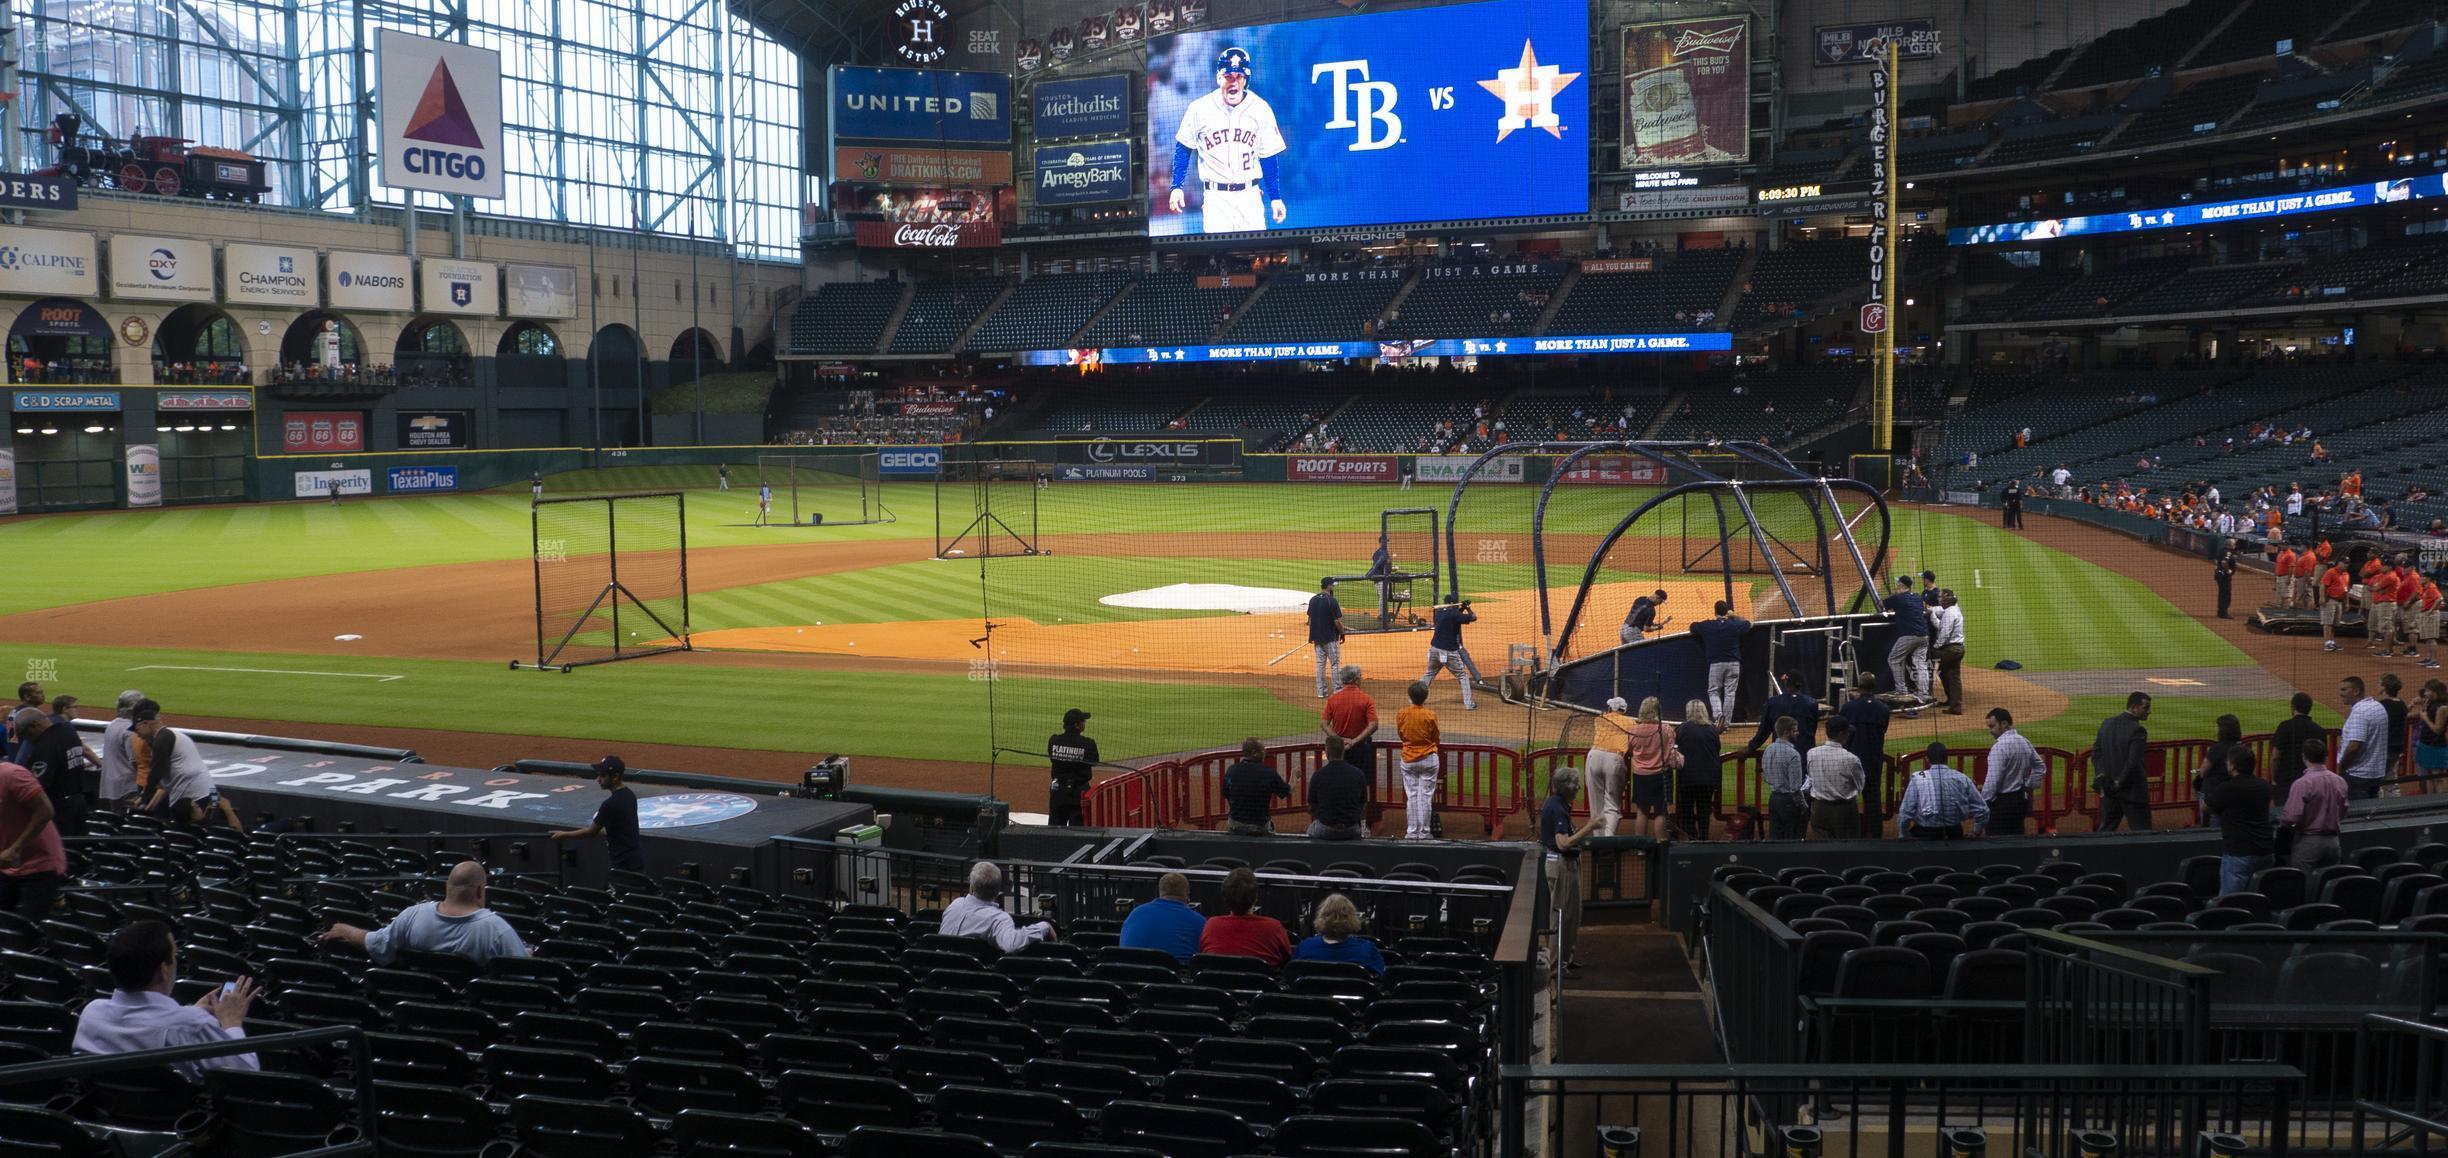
point(1364, 105)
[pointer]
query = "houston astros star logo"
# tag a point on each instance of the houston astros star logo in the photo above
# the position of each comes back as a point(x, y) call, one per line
point(1529, 92)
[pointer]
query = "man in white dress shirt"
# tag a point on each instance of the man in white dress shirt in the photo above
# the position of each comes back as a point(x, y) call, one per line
point(140, 1013)
point(981, 915)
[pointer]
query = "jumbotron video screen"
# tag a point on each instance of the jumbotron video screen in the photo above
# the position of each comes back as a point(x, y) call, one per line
point(1470, 111)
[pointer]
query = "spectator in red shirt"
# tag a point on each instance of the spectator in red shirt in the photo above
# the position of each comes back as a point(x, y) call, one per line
point(1352, 714)
point(32, 863)
point(1241, 933)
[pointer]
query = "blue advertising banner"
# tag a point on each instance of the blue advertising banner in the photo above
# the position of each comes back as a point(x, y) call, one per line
point(412, 479)
point(1915, 38)
point(1083, 174)
point(1465, 111)
point(55, 400)
point(914, 104)
point(2424, 187)
point(910, 460)
point(1437, 348)
point(1086, 106)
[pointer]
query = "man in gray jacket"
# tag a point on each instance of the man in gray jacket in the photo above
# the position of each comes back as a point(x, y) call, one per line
point(2117, 771)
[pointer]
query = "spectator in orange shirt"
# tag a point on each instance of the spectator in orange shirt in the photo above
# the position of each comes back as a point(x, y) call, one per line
point(2282, 570)
point(2351, 483)
point(2380, 610)
point(1421, 765)
point(2427, 624)
point(2409, 600)
point(1351, 714)
point(2336, 588)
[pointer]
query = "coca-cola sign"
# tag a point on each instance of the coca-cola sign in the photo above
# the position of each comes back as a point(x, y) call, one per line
point(940, 235)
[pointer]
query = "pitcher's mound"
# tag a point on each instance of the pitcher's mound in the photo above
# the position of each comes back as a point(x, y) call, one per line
point(1212, 597)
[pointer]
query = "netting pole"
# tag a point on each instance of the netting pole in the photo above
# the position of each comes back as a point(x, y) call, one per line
point(535, 558)
point(612, 560)
point(680, 515)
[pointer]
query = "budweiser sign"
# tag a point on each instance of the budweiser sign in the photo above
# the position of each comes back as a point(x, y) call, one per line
point(941, 235)
point(1721, 41)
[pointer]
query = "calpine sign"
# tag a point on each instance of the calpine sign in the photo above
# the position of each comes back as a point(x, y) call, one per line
point(441, 115)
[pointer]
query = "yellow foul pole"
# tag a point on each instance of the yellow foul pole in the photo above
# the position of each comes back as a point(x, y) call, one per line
point(1886, 252)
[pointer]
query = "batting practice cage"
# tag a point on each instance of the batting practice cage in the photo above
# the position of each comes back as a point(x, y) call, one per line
point(824, 490)
point(611, 578)
point(986, 507)
point(1681, 527)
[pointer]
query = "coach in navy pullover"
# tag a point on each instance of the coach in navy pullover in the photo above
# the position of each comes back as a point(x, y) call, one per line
point(1908, 657)
point(1792, 701)
point(1251, 787)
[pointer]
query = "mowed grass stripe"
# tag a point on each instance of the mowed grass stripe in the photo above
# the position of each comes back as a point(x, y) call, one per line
point(858, 712)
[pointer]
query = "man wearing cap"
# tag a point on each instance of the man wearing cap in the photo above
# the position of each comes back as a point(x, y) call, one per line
point(176, 783)
point(1074, 756)
point(1643, 618)
point(1326, 633)
point(118, 755)
point(52, 754)
point(616, 819)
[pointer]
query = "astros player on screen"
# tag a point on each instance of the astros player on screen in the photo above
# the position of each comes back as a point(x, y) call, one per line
point(1233, 134)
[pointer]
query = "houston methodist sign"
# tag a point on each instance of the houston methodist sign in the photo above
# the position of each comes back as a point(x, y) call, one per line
point(441, 115)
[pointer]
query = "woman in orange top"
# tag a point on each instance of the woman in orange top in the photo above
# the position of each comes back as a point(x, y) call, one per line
point(2351, 485)
point(1421, 768)
point(1651, 749)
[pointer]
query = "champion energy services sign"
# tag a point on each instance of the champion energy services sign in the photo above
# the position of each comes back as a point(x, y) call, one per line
point(268, 275)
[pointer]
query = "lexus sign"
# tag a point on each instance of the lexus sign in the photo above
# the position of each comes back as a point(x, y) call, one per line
point(1151, 451)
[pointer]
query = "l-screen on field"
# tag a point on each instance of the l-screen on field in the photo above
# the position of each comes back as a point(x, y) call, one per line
point(1171, 612)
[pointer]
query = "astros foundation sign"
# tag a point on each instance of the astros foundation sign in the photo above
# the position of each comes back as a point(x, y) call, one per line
point(441, 115)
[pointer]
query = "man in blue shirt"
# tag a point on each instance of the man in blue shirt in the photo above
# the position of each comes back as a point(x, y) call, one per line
point(1721, 648)
point(1326, 634)
point(616, 819)
point(1908, 657)
point(1791, 701)
point(1643, 618)
point(1562, 840)
point(1445, 650)
point(1251, 786)
point(1937, 801)
point(1867, 716)
point(1168, 922)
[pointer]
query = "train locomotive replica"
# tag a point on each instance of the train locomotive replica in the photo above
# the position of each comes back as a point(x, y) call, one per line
point(164, 166)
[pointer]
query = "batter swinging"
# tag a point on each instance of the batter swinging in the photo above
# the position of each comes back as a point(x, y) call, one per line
point(1232, 132)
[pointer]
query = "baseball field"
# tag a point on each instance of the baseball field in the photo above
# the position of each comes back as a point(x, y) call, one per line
point(1170, 612)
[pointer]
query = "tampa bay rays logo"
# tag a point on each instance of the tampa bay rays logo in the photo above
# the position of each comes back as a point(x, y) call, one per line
point(690, 809)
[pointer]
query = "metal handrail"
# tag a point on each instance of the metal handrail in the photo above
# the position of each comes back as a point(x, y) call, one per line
point(360, 1056)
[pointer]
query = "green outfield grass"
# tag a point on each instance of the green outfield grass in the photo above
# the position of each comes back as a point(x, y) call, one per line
point(2045, 609)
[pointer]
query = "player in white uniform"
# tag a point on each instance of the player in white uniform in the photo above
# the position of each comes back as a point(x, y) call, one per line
point(1232, 133)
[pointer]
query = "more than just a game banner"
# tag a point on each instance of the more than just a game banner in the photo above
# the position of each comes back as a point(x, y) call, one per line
point(8, 479)
point(317, 484)
point(1616, 470)
point(1341, 468)
point(1106, 451)
point(1427, 114)
point(1454, 467)
point(1700, 343)
point(2360, 196)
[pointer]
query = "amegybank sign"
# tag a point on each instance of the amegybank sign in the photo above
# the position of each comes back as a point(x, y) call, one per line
point(441, 115)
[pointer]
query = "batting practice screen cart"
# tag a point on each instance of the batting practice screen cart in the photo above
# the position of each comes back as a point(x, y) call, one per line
point(611, 578)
